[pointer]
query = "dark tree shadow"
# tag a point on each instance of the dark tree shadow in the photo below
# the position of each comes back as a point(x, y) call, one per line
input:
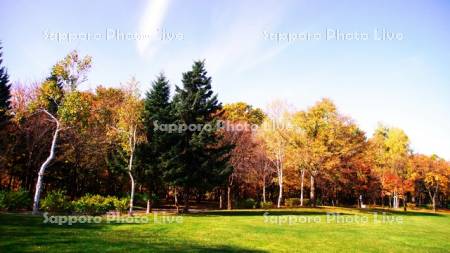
point(26, 233)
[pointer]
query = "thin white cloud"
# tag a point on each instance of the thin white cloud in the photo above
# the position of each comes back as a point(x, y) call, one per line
point(263, 57)
point(151, 20)
point(239, 43)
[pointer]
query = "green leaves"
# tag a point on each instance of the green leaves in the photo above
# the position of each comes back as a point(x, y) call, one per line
point(75, 109)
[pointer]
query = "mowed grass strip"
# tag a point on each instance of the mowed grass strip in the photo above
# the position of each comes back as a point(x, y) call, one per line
point(237, 231)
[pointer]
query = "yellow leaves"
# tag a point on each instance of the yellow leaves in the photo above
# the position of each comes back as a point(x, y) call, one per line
point(243, 112)
point(432, 170)
point(48, 93)
point(129, 117)
point(59, 71)
point(397, 142)
point(75, 108)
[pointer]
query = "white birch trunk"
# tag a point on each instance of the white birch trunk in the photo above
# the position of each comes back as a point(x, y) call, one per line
point(264, 191)
point(433, 197)
point(130, 166)
point(312, 194)
point(229, 206)
point(280, 178)
point(229, 200)
point(395, 199)
point(264, 183)
point(130, 212)
point(39, 183)
point(176, 199)
point(301, 187)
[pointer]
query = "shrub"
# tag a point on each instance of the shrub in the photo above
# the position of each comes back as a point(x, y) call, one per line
point(292, 202)
point(92, 204)
point(306, 202)
point(295, 202)
point(411, 205)
point(56, 201)
point(266, 205)
point(247, 203)
point(109, 203)
point(15, 200)
point(2, 199)
point(141, 199)
point(96, 204)
point(121, 205)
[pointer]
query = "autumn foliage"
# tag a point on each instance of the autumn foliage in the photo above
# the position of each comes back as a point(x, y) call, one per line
point(108, 145)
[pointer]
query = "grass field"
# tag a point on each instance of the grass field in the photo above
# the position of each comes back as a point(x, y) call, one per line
point(237, 231)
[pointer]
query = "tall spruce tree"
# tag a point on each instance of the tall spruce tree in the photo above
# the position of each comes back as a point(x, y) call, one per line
point(5, 93)
point(197, 160)
point(157, 110)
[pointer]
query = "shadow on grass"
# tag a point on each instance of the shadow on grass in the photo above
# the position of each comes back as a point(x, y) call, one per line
point(100, 245)
point(26, 233)
point(311, 211)
point(398, 212)
point(258, 213)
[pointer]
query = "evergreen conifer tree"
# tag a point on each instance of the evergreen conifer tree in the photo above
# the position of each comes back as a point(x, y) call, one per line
point(197, 160)
point(5, 93)
point(157, 110)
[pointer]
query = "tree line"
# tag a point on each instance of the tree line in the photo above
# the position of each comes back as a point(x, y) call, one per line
point(185, 147)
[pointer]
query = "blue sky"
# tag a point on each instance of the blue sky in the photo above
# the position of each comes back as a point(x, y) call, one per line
point(402, 81)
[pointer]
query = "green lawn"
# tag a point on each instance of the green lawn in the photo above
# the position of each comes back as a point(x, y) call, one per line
point(235, 231)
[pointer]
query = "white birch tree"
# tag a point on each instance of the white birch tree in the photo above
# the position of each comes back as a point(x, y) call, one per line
point(51, 156)
point(129, 129)
point(271, 132)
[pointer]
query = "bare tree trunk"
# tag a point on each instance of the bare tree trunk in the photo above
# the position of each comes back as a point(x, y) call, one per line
point(395, 204)
point(229, 197)
point(186, 200)
point(176, 200)
point(280, 179)
point(149, 202)
point(404, 202)
point(405, 197)
point(220, 201)
point(229, 207)
point(397, 200)
point(132, 141)
point(264, 192)
point(434, 203)
point(264, 183)
point(301, 187)
point(312, 196)
point(433, 198)
point(280, 194)
point(39, 183)
point(130, 212)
